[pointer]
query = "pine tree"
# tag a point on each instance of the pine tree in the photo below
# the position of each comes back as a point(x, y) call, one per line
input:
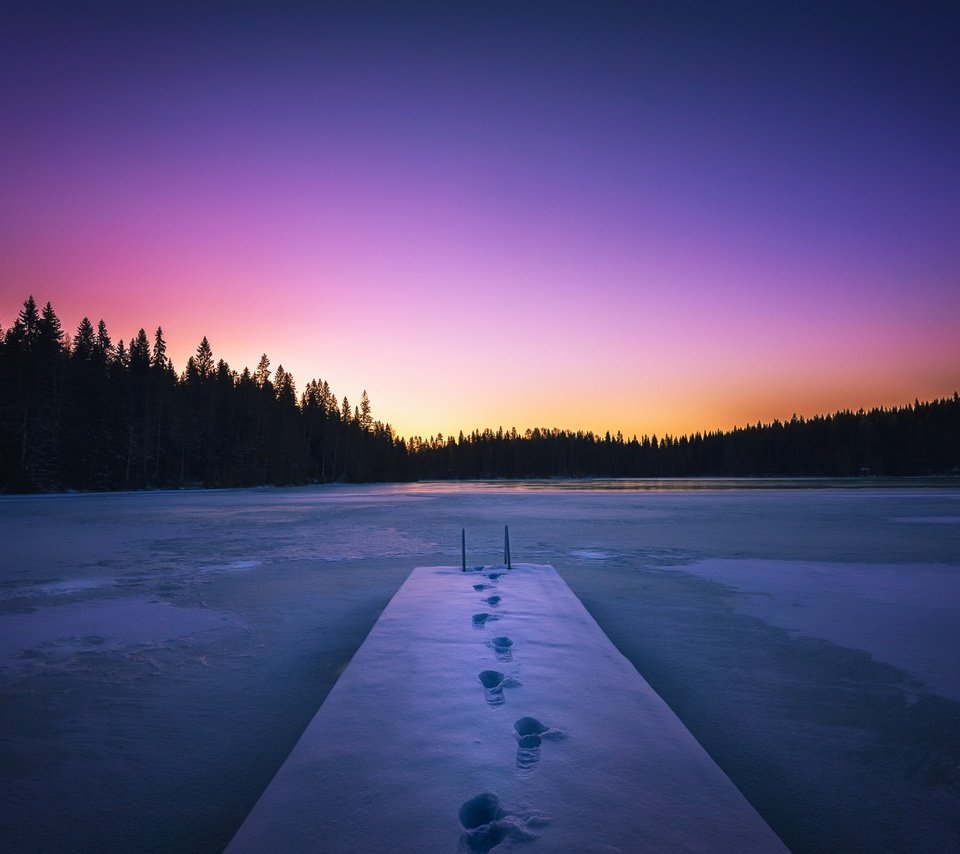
point(159, 360)
point(103, 347)
point(366, 420)
point(140, 353)
point(121, 357)
point(27, 325)
point(35, 343)
point(261, 376)
point(204, 360)
point(84, 341)
point(161, 415)
point(284, 388)
point(50, 332)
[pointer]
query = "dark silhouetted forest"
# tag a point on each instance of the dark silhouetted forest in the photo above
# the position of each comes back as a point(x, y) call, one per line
point(85, 413)
point(923, 438)
point(80, 412)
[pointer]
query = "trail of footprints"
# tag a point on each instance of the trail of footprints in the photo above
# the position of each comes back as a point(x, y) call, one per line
point(485, 820)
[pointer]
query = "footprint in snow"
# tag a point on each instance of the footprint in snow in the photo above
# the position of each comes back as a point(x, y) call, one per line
point(494, 682)
point(480, 620)
point(502, 648)
point(530, 733)
point(486, 823)
point(492, 601)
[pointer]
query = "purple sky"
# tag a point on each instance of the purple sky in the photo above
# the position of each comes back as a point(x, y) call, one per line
point(670, 217)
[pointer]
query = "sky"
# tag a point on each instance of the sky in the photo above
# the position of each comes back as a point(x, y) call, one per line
point(648, 217)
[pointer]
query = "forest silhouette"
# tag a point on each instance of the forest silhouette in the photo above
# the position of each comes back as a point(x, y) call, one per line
point(82, 413)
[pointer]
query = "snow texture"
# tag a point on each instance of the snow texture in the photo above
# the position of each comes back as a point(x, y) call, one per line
point(423, 746)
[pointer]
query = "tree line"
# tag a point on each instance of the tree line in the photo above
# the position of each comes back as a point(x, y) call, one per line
point(918, 439)
point(80, 412)
point(85, 413)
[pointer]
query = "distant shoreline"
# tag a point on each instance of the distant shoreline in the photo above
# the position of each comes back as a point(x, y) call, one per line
point(666, 484)
point(599, 484)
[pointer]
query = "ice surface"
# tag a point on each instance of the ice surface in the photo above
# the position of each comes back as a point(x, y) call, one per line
point(405, 756)
point(124, 622)
point(161, 653)
point(907, 615)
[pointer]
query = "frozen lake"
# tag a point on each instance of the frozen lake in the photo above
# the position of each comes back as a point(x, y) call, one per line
point(160, 653)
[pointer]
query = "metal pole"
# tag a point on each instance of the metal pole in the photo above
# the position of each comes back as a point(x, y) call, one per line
point(506, 546)
point(463, 549)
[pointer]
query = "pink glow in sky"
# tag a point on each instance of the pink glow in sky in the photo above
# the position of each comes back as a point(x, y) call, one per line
point(659, 220)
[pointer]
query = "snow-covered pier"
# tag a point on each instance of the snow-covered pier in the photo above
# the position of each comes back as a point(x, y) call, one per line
point(486, 709)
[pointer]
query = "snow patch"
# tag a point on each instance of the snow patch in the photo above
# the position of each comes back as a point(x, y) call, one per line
point(244, 564)
point(74, 585)
point(592, 554)
point(66, 587)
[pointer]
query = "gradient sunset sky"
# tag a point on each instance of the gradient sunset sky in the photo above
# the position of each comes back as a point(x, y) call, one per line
point(647, 217)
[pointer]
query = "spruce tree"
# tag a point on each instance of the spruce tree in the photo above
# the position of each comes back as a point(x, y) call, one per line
point(103, 347)
point(27, 325)
point(204, 360)
point(261, 376)
point(50, 332)
point(366, 420)
point(140, 353)
point(159, 360)
point(83, 341)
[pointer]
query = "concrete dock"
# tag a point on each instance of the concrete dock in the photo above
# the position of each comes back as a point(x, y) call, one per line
point(486, 710)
